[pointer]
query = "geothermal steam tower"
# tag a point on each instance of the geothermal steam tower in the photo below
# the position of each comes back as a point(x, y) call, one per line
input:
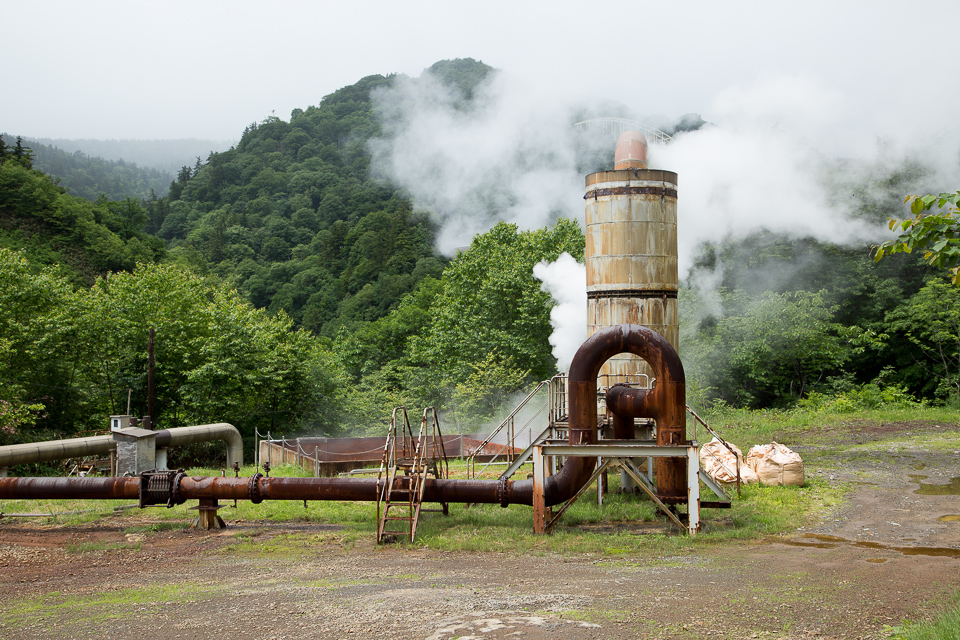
point(631, 253)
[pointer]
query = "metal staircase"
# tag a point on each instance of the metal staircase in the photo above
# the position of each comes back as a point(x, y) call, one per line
point(407, 464)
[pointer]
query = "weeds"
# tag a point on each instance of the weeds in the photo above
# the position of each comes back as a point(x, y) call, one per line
point(946, 626)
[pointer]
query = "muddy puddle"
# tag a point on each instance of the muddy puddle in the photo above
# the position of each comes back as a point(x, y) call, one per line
point(952, 488)
point(819, 541)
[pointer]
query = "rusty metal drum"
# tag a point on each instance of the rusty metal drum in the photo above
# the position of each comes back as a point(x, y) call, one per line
point(631, 259)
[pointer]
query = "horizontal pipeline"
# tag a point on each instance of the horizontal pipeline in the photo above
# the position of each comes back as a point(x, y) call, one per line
point(259, 488)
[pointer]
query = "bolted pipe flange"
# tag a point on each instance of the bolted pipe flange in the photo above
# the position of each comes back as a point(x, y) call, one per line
point(175, 497)
point(502, 493)
point(253, 488)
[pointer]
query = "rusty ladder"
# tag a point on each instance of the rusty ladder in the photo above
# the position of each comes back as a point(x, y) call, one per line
point(406, 464)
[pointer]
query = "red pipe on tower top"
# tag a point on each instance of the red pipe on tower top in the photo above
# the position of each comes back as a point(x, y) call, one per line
point(631, 151)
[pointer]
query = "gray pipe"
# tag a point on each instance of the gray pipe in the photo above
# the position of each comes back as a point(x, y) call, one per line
point(34, 452)
point(205, 433)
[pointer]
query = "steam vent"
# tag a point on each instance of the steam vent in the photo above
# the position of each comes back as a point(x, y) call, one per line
point(631, 254)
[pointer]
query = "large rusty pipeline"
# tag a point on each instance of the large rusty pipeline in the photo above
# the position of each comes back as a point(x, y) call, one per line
point(665, 403)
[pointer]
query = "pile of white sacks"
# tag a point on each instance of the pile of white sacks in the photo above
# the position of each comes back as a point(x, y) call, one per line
point(770, 464)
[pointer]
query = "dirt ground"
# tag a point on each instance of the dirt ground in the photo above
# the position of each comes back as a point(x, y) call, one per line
point(890, 553)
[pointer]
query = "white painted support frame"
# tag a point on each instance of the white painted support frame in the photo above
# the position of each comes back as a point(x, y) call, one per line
point(617, 452)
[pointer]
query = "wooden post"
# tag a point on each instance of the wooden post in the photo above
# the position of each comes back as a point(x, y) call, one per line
point(150, 373)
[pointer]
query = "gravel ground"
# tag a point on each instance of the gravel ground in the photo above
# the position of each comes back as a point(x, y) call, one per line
point(888, 554)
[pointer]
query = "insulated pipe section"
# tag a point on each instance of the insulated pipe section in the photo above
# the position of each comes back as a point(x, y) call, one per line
point(34, 452)
point(54, 450)
point(205, 433)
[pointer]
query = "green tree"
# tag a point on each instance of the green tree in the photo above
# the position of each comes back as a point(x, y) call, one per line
point(481, 395)
point(775, 349)
point(33, 379)
point(490, 302)
point(937, 234)
point(930, 320)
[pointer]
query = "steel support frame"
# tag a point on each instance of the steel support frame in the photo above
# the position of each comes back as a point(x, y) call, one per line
point(621, 454)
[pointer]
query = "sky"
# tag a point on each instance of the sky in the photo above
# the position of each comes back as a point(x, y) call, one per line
point(811, 102)
point(206, 69)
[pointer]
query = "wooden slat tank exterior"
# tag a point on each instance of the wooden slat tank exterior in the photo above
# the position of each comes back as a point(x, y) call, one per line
point(631, 257)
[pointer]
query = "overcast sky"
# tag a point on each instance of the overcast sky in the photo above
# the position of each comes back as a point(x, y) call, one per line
point(200, 69)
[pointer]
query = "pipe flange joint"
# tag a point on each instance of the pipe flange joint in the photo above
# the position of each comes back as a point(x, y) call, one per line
point(253, 488)
point(175, 497)
point(502, 492)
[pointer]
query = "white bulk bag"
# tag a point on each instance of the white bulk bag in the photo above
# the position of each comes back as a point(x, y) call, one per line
point(776, 464)
point(721, 465)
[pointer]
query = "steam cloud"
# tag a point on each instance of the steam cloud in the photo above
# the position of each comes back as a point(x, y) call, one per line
point(781, 156)
point(502, 157)
point(566, 281)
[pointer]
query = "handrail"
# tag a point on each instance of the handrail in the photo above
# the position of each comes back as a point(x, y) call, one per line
point(510, 417)
point(722, 441)
point(513, 460)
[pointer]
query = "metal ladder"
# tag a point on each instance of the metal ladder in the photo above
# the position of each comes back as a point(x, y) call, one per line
point(406, 464)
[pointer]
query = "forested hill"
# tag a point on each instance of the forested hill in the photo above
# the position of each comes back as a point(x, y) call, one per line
point(84, 239)
point(291, 216)
point(94, 177)
point(166, 156)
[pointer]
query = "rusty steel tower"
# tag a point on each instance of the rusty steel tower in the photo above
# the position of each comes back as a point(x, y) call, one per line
point(631, 253)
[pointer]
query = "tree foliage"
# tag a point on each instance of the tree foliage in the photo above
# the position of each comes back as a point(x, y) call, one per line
point(53, 227)
point(936, 234)
point(930, 320)
point(78, 352)
point(90, 177)
point(490, 301)
point(768, 351)
point(291, 216)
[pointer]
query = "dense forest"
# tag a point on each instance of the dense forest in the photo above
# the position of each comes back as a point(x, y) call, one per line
point(94, 177)
point(166, 156)
point(292, 291)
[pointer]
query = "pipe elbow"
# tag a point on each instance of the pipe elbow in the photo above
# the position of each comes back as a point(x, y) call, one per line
point(205, 433)
point(628, 402)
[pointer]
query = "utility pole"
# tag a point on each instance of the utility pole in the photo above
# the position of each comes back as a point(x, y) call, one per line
point(150, 393)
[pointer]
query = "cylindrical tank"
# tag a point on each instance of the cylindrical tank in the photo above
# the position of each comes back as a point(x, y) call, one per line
point(631, 258)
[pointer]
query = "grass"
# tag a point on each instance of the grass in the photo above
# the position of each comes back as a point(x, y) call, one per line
point(812, 426)
point(761, 511)
point(946, 626)
point(56, 606)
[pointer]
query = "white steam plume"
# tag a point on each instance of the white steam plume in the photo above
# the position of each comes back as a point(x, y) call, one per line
point(785, 154)
point(506, 156)
point(566, 281)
